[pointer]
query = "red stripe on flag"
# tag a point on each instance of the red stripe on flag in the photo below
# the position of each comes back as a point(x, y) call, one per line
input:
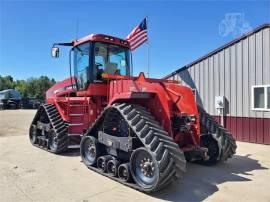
point(138, 43)
point(134, 47)
point(144, 35)
point(137, 35)
point(134, 31)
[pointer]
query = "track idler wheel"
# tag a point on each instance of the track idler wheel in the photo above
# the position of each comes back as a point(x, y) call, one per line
point(102, 162)
point(112, 167)
point(144, 168)
point(90, 150)
point(124, 172)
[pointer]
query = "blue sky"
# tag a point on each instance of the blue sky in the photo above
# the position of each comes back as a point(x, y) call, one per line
point(179, 31)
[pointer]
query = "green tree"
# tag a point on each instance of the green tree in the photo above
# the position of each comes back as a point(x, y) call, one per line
point(37, 87)
point(21, 86)
point(32, 87)
point(6, 82)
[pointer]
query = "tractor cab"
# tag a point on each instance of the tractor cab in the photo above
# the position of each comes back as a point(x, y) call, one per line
point(95, 55)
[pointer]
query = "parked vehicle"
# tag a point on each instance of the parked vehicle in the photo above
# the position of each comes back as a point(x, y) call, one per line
point(10, 99)
point(30, 103)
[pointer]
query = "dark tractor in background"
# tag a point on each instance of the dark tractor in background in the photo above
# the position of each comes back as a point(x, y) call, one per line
point(30, 103)
point(10, 99)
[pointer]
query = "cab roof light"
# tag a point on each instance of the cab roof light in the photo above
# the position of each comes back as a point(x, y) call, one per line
point(109, 38)
point(123, 42)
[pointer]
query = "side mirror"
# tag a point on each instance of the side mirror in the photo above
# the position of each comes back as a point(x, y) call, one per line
point(55, 52)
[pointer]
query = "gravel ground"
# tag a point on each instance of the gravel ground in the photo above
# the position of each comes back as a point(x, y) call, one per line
point(28, 173)
point(15, 122)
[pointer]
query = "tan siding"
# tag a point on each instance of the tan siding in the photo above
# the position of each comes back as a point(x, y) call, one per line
point(233, 87)
point(206, 84)
point(193, 72)
point(197, 82)
point(211, 86)
point(266, 56)
point(227, 80)
point(239, 78)
point(266, 61)
point(201, 85)
point(216, 78)
point(252, 70)
point(221, 73)
point(246, 89)
point(258, 64)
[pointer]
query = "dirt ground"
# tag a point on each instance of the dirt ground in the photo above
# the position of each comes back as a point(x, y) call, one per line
point(31, 174)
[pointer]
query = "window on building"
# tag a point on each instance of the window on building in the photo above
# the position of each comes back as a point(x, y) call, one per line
point(261, 97)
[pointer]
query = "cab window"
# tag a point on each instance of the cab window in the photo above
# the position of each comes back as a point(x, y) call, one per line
point(110, 59)
point(81, 65)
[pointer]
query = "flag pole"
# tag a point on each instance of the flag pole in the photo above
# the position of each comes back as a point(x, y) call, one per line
point(148, 68)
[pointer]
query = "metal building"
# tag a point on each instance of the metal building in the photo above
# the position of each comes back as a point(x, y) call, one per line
point(233, 84)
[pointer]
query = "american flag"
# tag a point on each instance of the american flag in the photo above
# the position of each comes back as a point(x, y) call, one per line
point(138, 35)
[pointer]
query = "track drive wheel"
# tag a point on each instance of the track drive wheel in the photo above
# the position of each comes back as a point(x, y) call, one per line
point(144, 168)
point(90, 150)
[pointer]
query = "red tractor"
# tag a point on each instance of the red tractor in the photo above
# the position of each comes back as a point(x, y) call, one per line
point(135, 130)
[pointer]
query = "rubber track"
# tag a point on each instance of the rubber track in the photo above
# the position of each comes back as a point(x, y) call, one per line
point(170, 158)
point(58, 125)
point(227, 144)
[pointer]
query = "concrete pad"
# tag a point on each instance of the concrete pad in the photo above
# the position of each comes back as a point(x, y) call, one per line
point(15, 122)
point(28, 173)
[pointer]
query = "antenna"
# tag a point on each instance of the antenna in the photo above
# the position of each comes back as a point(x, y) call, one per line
point(77, 29)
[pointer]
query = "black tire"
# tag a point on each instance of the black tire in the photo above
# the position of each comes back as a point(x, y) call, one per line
point(102, 162)
point(53, 143)
point(144, 168)
point(90, 150)
point(112, 167)
point(33, 134)
point(124, 172)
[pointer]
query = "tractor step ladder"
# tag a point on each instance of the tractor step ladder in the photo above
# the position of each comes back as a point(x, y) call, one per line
point(75, 134)
point(74, 146)
point(77, 109)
